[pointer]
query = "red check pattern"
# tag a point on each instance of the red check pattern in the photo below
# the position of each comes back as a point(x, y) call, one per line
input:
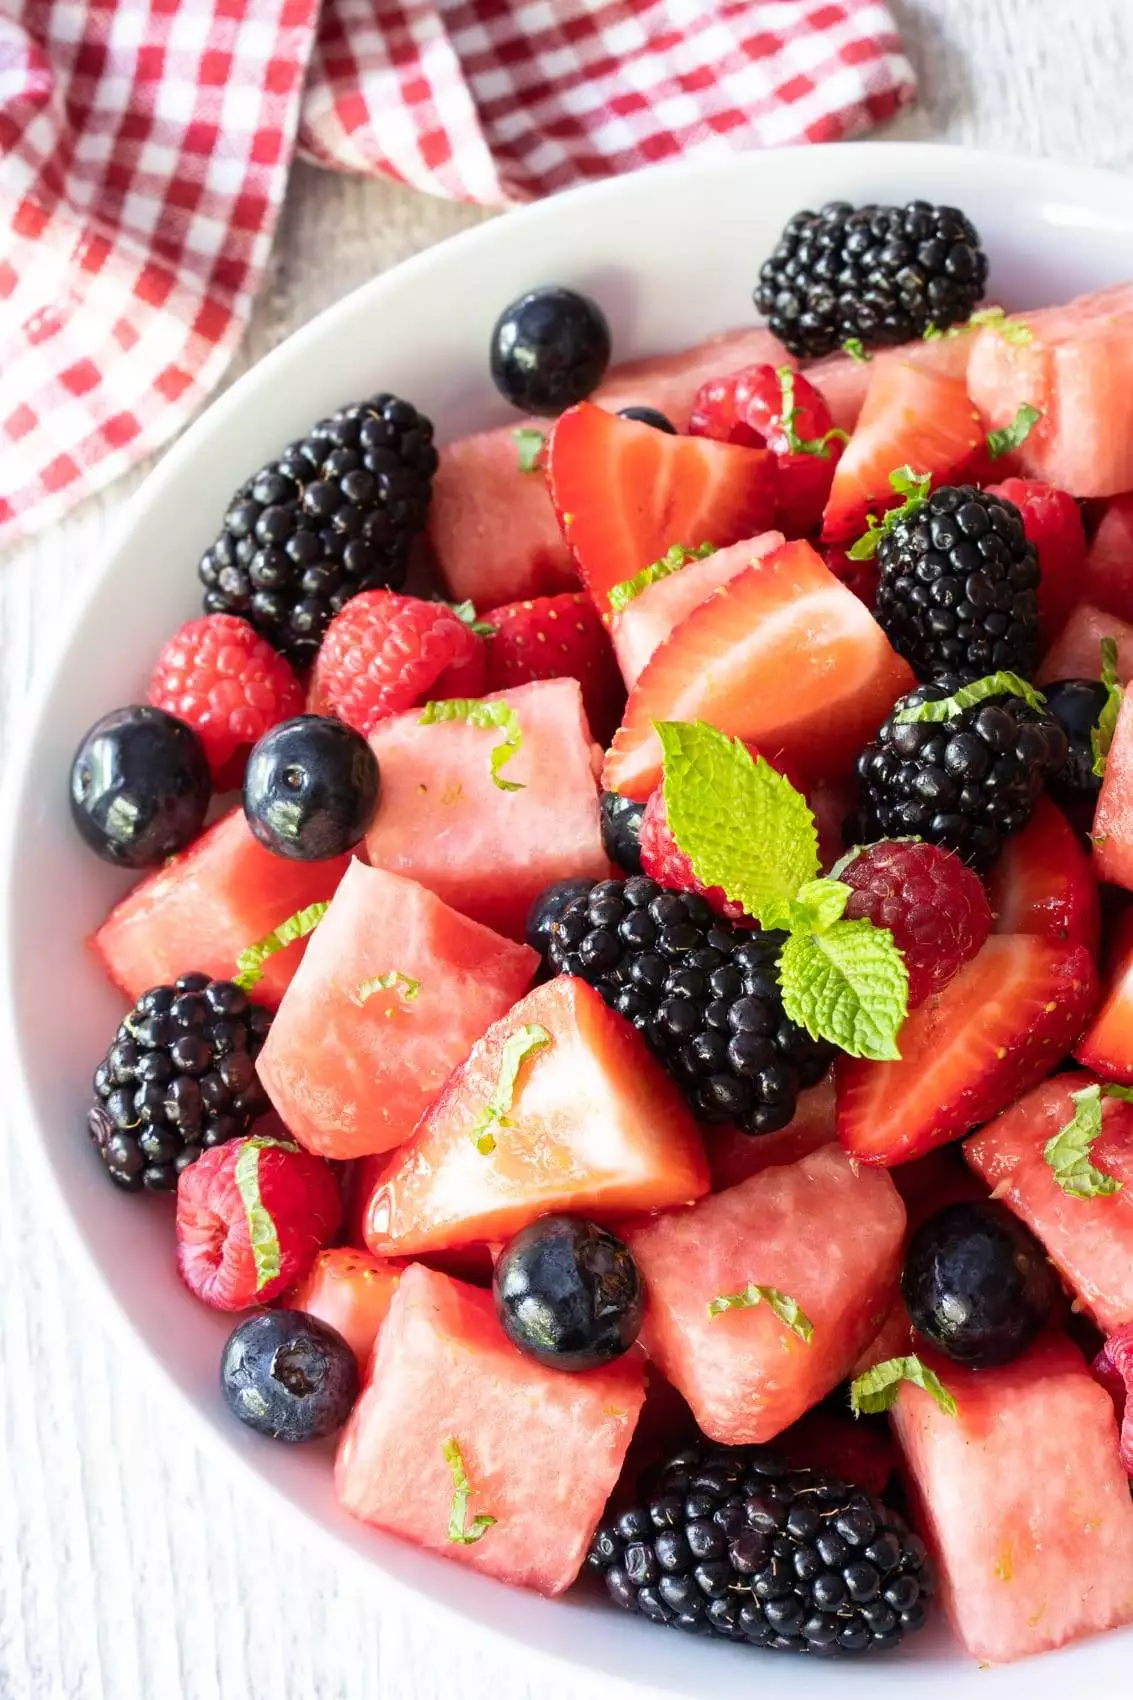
point(145, 146)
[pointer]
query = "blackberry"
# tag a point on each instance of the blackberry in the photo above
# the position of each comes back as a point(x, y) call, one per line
point(731, 1542)
point(879, 274)
point(958, 586)
point(703, 992)
point(966, 783)
point(335, 514)
point(180, 1077)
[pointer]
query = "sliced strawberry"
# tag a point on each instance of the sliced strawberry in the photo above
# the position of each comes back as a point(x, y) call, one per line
point(912, 417)
point(1044, 882)
point(625, 493)
point(1108, 578)
point(783, 656)
point(993, 1033)
point(1052, 520)
point(774, 407)
point(557, 637)
point(1107, 1044)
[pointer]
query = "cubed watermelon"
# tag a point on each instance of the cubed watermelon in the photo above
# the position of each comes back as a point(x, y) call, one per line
point(1023, 1500)
point(1108, 579)
point(350, 1063)
point(822, 1234)
point(1044, 882)
point(350, 1291)
point(1077, 653)
point(1113, 817)
point(844, 382)
point(669, 382)
point(206, 905)
point(734, 1156)
point(595, 1125)
point(540, 1450)
point(488, 852)
point(1107, 1044)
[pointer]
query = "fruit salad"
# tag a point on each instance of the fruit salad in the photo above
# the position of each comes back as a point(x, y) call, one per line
point(637, 1030)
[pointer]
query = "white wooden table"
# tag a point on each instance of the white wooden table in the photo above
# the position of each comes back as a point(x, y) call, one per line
point(129, 1571)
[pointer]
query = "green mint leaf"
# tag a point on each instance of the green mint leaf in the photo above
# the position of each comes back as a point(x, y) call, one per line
point(788, 1310)
point(393, 981)
point(518, 1046)
point(931, 334)
point(1102, 735)
point(460, 1531)
point(853, 347)
point(529, 442)
point(250, 962)
point(818, 905)
point(995, 685)
point(466, 614)
point(878, 1388)
point(623, 593)
point(486, 717)
point(1010, 437)
point(262, 1231)
point(789, 412)
point(741, 824)
point(914, 487)
point(848, 984)
point(1067, 1154)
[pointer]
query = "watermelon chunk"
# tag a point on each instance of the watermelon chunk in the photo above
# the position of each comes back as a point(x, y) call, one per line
point(1107, 1044)
point(595, 1125)
point(350, 1291)
point(669, 382)
point(844, 382)
point(734, 1156)
point(351, 1065)
point(1108, 579)
point(541, 1450)
point(1076, 653)
point(1044, 882)
point(205, 906)
point(1113, 817)
point(1089, 1240)
point(1024, 1501)
point(487, 852)
point(821, 1233)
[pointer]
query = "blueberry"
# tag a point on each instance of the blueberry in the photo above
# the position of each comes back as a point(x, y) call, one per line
point(977, 1284)
point(1076, 704)
point(568, 1293)
point(621, 831)
point(311, 788)
point(288, 1375)
point(549, 349)
point(140, 786)
point(547, 908)
point(649, 416)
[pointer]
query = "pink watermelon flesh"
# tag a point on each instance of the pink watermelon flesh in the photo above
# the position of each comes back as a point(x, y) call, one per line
point(827, 1237)
point(1024, 1501)
point(205, 906)
point(1076, 651)
point(1077, 369)
point(657, 612)
point(843, 381)
point(1113, 817)
point(487, 852)
point(1108, 581)
point(669, 382)
point(349, 1066)
point(541, 1450)
point(734, 1156)
point(1089, 1240)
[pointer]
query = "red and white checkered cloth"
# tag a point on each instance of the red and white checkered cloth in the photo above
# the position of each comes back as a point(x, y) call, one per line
point(145, 147)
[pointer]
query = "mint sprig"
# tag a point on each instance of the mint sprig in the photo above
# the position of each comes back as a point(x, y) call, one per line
point(460, 1531)
point(787, 1309)
point(1067, 1154)
point(628, 589)
point(947, 708)
point(466, 614)
point(518, 1046)
point(529, 442)
point(486, 717)
point(1011, 436)
point(1102, 735)
point(847, 983)
point(263, 1234)
point(394, 981)
point(250, 962)
point(789, 412)
point(854, 348)
point(914, 487)
point(877, 1389)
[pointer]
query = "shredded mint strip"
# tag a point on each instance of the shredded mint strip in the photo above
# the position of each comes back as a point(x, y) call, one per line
point(995, 685)
point(466, 614)
point(529, 442)
point(914, 487)
point(1102, 735)
point(486, 717)
point(622, 594)
point(854, 348)
point(250, 962)
point(878, 1388)
point(788, 1310)
point(262, 1232)
point(931, 334)
point(1067, 1154)
point(789, 412)
point(1002, 442)
point(460, 1531)
point(393, 981)
point(520, 1045)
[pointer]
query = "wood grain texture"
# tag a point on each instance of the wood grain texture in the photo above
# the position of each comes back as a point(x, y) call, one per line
point(128, 1570)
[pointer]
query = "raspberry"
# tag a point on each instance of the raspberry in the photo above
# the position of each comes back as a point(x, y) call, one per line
point(664, 862)
point(774, 408)
point(935, 907)
point(251, 1216)
point(227, 683)
point(385, 653)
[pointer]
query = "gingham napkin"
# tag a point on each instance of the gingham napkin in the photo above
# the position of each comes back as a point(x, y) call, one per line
point(145, 146)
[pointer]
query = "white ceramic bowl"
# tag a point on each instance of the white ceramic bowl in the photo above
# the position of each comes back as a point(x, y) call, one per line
point(672, 255)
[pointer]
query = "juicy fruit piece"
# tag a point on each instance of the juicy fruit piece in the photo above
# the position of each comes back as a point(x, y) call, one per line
point(1077, 369)
point(594, 1125)
point(549, 348)
point(288, 1376)
point(993, 1033)
point(228, 683)
point(1089, 1240)
point(1052, 521)
point(825, 1237)
point(1108, 579)
point(1076, 652)
point(1023, 1497)
point(349, 1291)
point(664, 861)
point(844, 382)
point(912, 416)
point(488, 852)
point(250, 1217)
point(621, 831)
point(140, 786)
point(206, 906)
point(734, 1156)
point(385, 652)
point(1113, 1369)
point(555, 637)
point(934, 906)
point(977, 1285)
point(310, 789)
point(1113, 818)
point(444, 1375)
point(670, 382)
point(625, 494)
point(1044, 882)
point(1107, 1043)
point(783, 656)
point(394, 989)
point(568, 1293)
